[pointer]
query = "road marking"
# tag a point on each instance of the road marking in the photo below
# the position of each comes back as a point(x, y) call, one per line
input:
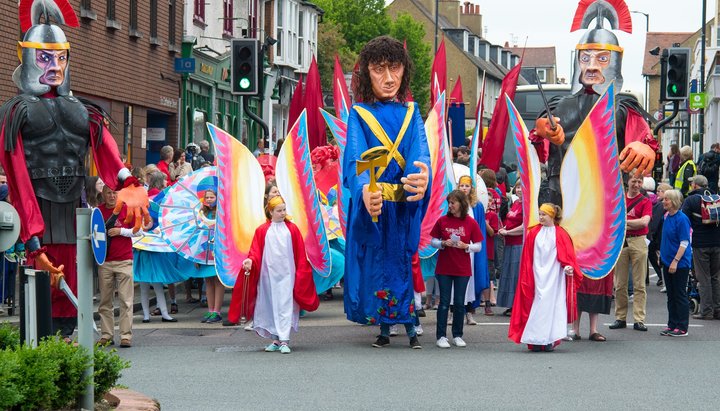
point(660, 325)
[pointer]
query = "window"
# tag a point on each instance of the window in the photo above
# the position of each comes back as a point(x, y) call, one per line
point(542, 75)
point(111, 9)
point(228, 18)
point(301, 40)
point(153, 21)
point(199, 13)
point(86, 11)
point(280, 4)
point(171, 25)
point(134, 20)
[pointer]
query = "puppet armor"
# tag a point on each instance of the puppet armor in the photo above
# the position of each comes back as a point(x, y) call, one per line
point(27, 74)
point(55, 142)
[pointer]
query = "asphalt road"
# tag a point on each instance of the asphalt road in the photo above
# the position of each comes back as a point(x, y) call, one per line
point(193, 366)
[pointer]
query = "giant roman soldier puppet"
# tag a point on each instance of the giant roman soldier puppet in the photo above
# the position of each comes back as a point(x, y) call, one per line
point(45, 134)
point(581, 143)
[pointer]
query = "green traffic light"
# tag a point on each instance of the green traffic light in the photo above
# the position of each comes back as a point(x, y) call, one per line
point(673, 89)
point(244, 83)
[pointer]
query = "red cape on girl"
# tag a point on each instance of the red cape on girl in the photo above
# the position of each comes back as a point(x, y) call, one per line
point(525, 292)
point(304, 290)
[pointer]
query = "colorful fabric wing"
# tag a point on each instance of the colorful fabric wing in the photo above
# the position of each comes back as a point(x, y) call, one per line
point(592, 190)
point(295, 181)
point(441, 183)
point(241, 190)
point(152, 239)
point(189, 232)
point(341, 97)
point(338, 128)
point(528, 165)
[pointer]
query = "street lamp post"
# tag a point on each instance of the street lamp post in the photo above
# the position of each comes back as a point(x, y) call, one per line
point(701, 118)
point(647, 81)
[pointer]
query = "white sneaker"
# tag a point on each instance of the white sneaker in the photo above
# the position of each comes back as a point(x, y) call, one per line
point(458, 342)
point(443, 343)
point(249, 327)
point(418, 330)
point(663, 290)
point(394, 330)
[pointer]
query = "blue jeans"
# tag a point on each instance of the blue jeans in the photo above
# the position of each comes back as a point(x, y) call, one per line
point(677, 299)
point(448, 283)
point(409, 329)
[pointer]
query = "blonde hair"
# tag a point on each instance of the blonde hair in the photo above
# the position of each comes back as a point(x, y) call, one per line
point(664, 187)
point(685, 153)
point(675, 197)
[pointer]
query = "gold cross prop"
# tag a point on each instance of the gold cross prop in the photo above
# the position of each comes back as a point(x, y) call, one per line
point(370, 160)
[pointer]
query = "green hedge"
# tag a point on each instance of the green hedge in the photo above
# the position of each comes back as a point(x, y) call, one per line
point(51, 375)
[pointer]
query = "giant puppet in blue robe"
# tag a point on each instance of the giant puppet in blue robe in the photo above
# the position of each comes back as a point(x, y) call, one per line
point(378, 273)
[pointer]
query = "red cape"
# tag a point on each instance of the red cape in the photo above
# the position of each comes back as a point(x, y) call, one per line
point(525, 292)
point(304, 290)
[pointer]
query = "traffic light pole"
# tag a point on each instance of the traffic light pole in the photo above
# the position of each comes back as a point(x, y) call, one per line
point(676, 109)
point(254, 116)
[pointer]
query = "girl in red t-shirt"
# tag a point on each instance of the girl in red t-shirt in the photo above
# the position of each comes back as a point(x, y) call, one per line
point(456, 235)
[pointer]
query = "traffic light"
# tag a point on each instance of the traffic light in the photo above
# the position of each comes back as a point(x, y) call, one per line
point(678, 62)
point(244, 67)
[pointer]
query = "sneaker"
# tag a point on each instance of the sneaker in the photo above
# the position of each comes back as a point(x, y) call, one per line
point(442, 342)
point(285, 349)
point(421, 312)
point(703, 317)
point(488, 310)
point(418, 330)
point(666, 331)
point(214, 318)
point(382, 341)
point(458, 342)
point(414, 343)
point(678, 333)
point(659, 282)
point(272, 348)
point(663, 290)
point(394, 330)
point(250, 327)
point(639, 326)
point(206, 317)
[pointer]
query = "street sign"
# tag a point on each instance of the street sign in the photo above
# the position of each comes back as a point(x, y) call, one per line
point(98, 237)
point(184, 65)
point(697, 101)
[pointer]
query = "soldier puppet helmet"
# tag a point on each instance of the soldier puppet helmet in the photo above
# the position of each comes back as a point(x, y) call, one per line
point(42, 36)
point(618, 15)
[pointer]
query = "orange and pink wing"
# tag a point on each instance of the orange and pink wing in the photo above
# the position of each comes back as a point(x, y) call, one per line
point(296, 183)
point(241, 188)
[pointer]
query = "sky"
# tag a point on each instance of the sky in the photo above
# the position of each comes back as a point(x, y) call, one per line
point(547, 23)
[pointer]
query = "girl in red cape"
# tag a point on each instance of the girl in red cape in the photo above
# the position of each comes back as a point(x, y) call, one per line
point(277, 257)
point(545, 299)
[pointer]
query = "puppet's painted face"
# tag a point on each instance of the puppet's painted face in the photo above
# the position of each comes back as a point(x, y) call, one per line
point(386, 79)
point(53, 64)
point(592, 65)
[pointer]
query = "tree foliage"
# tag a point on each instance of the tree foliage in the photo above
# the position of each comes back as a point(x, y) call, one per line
point(404, 28)
point(331, 42)
point(359, 20)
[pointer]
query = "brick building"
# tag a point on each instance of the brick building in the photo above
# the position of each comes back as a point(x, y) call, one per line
point(121, 57)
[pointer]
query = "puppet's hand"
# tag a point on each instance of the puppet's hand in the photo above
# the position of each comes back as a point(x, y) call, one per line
point(247, 265)
point(416, 183)
point(639, 157)
point(545, 130)
point(56, 273)
point(373, 201)
point(136, 199)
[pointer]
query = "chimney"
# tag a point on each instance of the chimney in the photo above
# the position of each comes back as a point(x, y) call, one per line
point(472, 19)
point(450, 9)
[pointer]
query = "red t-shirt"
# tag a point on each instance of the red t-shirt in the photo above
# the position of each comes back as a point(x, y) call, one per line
point(641, 209)
point(514, 219)
point(494, 221)
point(494, 201)
point(455, 261)
point(119, 247)
point(165, 168)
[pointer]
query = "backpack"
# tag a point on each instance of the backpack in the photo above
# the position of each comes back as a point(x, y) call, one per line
point(709, 208)
point(709, 166)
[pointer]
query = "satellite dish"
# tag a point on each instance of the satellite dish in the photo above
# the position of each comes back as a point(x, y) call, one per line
point(9, 226)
